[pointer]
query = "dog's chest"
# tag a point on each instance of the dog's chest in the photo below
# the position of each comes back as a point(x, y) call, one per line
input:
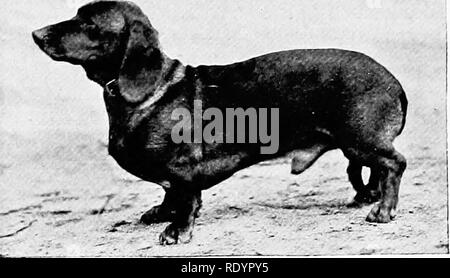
point(137, 149)
point(134, 159)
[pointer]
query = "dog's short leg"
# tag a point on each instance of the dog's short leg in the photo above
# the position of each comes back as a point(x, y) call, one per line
point(390, 165)
point(373, 187)
point(365, 194)
point(180, 230)
point(165, 212)
point(391, 171)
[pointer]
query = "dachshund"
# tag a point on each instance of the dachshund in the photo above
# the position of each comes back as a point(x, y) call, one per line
point(326, 99)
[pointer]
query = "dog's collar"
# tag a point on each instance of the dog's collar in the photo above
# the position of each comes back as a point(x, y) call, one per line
point(111, 87)
point(161, 89)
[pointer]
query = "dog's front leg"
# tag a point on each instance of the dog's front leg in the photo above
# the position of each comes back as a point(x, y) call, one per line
point(188, 203)
point(165, 212)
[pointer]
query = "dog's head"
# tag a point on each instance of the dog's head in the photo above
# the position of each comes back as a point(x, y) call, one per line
point(111, 40)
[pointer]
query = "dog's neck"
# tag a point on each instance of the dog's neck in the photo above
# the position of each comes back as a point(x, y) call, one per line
point(169, 73)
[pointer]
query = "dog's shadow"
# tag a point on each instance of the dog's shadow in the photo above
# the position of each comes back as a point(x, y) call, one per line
point(305, 205)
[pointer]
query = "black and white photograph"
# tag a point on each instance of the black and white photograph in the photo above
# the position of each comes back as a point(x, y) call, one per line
point(214, 128)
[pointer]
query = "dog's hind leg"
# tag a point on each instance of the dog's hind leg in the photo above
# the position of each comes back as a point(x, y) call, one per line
point(365, 194)
point(186, 208)
point(365, 133)
point(390, 165)
point(391, 171)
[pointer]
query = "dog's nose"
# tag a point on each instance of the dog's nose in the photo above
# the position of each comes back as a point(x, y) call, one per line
point(39, 35)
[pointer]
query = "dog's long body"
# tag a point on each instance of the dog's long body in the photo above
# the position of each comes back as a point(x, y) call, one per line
point(327, 99)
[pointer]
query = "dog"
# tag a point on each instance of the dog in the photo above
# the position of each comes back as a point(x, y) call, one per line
point(327, 99)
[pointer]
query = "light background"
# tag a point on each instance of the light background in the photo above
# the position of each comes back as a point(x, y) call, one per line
point(52, 118)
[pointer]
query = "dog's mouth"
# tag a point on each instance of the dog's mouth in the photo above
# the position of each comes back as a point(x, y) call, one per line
point(53, 53)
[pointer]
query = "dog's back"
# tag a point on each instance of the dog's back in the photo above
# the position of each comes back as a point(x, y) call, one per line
point(312, 88)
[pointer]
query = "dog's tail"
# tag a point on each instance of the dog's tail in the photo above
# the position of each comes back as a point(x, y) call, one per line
point(404, 105)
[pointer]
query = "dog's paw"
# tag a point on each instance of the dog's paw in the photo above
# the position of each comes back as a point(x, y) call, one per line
point(173, 235)
point(380, 214)
point(364, 198)
point(157, 215)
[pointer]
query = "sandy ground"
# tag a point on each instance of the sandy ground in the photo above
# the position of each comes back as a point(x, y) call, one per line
point(62, 195)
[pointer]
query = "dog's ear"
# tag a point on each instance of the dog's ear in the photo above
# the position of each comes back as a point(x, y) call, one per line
point(141, 64)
